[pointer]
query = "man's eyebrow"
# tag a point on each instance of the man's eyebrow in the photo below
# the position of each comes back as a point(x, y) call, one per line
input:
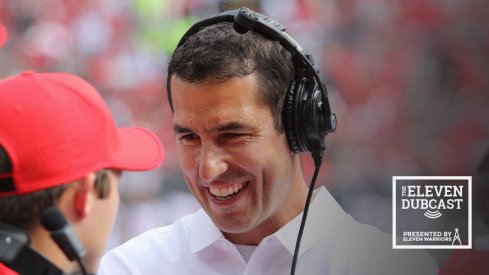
point(221, 128)
point(231, 126)
point(180, 129)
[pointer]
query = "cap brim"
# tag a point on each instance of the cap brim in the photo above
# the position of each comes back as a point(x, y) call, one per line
point(139, 150)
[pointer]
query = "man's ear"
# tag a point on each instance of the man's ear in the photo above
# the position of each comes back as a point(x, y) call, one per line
point(83, 197)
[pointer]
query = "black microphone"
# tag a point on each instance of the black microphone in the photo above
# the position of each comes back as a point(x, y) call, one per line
point(63, 234)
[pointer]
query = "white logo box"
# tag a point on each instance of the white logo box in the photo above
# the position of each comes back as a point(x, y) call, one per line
point(425, 178)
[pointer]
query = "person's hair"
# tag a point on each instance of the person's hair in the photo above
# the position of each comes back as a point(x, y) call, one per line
point(25, 210)
point(217, 53)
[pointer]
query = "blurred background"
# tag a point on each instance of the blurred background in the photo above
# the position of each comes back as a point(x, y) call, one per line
point(409, 81)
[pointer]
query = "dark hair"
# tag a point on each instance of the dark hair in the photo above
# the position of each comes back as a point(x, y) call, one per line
point(217, 53)
point(24, 210)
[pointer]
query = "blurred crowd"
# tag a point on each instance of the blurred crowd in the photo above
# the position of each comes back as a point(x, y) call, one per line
point(409, 81)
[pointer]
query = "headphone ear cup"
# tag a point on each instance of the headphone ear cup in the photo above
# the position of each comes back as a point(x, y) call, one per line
point(302, 117)
point(289, 115)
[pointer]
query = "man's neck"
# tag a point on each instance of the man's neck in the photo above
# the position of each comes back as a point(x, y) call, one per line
point(289, 208)
point(43, 244)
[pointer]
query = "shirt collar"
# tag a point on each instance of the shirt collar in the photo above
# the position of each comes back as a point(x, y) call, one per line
point(202, 231)
point(324, 215)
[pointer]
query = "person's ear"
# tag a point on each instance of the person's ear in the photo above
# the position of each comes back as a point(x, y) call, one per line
point(83, 197)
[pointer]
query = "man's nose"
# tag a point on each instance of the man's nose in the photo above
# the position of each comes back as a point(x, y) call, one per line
point(212, 162)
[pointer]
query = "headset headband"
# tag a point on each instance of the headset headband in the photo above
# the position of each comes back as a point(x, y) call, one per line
point(314, 104)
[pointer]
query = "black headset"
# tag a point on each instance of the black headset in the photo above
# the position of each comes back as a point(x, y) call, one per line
point(17, 254)
point(306, 112)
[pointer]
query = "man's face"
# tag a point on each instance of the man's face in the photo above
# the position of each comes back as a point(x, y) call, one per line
point(234, 161)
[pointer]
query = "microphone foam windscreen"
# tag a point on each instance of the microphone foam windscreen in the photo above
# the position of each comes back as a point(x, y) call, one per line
point(52, 219)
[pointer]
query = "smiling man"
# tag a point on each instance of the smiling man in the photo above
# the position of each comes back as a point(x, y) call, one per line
point(234, 161)
point(227, 92)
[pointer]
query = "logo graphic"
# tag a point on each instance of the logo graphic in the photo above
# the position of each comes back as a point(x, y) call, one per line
point(456, 237)
point(432, 212)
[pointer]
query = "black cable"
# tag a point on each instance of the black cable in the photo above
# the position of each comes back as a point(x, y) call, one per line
point(318, 158)
point(82, 266)
point(63, 234)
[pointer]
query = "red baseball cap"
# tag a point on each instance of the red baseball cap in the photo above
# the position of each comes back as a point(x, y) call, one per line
point(56, 128)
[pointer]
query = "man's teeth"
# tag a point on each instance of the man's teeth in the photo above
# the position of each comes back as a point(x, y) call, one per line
point(224, 191)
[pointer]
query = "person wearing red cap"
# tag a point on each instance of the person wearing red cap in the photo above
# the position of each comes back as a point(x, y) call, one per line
point(59, 146)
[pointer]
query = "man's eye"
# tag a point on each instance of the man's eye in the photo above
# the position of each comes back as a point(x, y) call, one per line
point(233, 135)
point(188, 137)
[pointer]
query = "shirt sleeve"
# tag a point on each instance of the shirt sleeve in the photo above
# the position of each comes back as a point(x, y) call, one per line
point(6, 271)
point(115, 264)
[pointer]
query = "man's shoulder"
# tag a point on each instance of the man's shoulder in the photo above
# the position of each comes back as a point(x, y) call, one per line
point(372, 248)
point(149, 250)
point(360, 248)
point(158, 237)
point(153, 241)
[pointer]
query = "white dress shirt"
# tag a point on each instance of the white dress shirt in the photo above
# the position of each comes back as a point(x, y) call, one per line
point(332, 243)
